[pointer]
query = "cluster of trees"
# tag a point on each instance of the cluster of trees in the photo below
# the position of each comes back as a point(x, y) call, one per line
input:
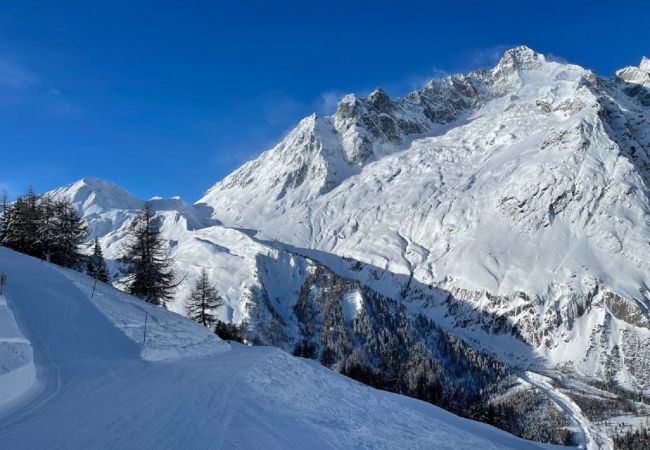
point(43, 227)
point(528, 414)
point(230, 331)
point(633, 440)
point(51, 229)
point(385, 347)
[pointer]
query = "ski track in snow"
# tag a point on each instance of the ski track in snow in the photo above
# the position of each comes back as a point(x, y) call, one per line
point(98, 392)
point(590, 438)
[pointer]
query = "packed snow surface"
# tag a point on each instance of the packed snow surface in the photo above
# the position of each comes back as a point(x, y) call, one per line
point(17, 371)
point(167, 336)
point(97, 391)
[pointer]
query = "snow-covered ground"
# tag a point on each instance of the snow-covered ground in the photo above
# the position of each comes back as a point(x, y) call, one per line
point(17, 371)
point(582, 428)
point(167, 336)
point(97, 391)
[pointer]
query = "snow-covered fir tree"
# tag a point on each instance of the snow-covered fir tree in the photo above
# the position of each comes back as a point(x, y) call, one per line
point(96, 266)
point(147, 264)
point(203, 301)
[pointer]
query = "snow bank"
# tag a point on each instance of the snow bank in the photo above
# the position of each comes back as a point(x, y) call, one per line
point(17, 371)
point(168, 335)
point(321, 401)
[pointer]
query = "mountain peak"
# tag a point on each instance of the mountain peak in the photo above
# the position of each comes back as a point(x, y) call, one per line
point(379, 99)
point(95, 193)
point(518, 58)
point(645, 64)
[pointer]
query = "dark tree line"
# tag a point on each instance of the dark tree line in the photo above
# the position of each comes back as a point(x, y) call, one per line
point(230, 331)
point(385, 347)
point(633, 440)
point(44, 227)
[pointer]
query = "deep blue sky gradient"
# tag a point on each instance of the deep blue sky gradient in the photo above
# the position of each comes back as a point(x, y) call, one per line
point(166, 98)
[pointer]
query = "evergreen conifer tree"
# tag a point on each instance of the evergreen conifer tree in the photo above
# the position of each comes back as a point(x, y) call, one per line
point(44, 228)
point(46, 220)
point(96, 266)
point(5, 211)
point(203, 301)
point(147, 265)
point(21, 232)
point(69, 232)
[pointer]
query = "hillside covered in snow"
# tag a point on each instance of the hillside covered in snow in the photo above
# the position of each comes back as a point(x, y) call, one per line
point(97, 385)
point(503, 213)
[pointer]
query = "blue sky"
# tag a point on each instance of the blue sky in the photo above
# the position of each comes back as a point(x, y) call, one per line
point(166, 98)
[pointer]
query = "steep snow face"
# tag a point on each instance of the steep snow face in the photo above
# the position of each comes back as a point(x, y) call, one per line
point(528, 183)
point(322, 152)
point(167, 335)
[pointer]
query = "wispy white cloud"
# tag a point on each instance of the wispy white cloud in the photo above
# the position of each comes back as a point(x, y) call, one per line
point(8, 188)
point(326, 102)
point(21, 87)
point(14, 76)
point(557, 58)
point(486, 56)
point(59, 105)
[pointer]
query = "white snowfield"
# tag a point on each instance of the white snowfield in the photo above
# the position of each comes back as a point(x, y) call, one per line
point(95, 389)
point(166, 335)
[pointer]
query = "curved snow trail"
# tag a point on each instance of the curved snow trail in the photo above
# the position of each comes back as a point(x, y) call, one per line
point(96, 392)
point(572, 411)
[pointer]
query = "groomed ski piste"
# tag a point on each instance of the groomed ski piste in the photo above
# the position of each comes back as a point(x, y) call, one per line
point(74, 373)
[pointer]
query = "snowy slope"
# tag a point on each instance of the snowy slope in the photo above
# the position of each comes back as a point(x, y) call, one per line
point(520, 192)
point(17, 371)
point(97, 392)
point(238, 265)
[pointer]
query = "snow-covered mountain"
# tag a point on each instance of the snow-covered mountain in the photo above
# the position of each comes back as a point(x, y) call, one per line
point(510, 206)
point(515, 199)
